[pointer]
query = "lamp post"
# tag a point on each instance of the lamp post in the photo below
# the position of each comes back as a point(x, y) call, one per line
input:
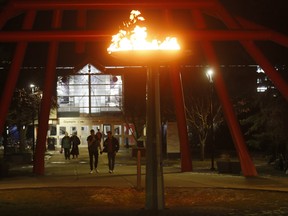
point(209, 75)
point(32, 86)
point(37, 96)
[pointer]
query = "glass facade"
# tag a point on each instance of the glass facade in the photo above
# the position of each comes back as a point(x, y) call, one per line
point(88, 93)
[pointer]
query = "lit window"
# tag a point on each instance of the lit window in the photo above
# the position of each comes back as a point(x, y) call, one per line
point(261, 89)
point(89, 92)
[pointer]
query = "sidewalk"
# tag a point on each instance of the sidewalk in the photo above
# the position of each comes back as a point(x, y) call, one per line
point(75, 172)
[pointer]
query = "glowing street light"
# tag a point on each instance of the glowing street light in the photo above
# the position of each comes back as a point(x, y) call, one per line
point(209, 75)
point(32, 86)
point(131, 44)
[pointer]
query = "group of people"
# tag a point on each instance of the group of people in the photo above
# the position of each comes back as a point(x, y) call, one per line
point(110, 146)
point(70, 146)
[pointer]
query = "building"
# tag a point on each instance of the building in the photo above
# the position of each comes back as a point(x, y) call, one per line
point(90, 99)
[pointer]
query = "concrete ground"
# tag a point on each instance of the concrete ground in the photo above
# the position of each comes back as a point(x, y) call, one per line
point(74, 174)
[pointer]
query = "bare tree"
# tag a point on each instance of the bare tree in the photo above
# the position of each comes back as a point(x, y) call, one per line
point(198, 114)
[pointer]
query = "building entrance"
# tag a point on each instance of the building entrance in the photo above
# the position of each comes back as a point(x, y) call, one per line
point(82, 127)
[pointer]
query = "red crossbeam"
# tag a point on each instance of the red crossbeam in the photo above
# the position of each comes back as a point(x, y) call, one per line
point(216, 35)
point(115, 4)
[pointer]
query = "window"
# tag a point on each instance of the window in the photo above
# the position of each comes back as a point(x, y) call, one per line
point(89, 92)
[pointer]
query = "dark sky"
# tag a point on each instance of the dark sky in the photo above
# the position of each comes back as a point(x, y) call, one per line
point(270, 13)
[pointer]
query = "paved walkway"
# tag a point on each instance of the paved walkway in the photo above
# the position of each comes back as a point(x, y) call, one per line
point(75, 172)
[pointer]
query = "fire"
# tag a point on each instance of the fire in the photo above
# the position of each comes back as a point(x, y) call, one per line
point(134, 37)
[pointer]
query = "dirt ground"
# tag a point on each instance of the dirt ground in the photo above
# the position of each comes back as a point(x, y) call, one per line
point(128, 201)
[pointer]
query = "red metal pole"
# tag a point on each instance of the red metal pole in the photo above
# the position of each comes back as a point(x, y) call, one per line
point(10, 84)
point(65, 36)
point(50, 78)
point(275, 37)
point(270, 71)
point(75, 36)
point(5, 14)
point(179, 104)
point(246, 162)
point(109, 4)
point(14, 71)
point(258, 56)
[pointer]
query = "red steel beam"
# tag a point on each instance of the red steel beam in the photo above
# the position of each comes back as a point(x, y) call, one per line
point(247, 166)
point(177, 91)
point(14, 71)
point(50, 84)
point(6, 14)
point(276, 37)
point(110, 5)
point(197, 35)
point(178, 97)
point(256, 54)
point(268, 68)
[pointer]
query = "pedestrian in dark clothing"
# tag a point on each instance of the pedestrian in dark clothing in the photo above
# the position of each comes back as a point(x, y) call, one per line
point(66, 146)
point(75, 141)
point(99, 135)
point(111, 146)
point(93, 149)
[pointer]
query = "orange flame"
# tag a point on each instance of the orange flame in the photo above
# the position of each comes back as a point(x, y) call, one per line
point(135, 38)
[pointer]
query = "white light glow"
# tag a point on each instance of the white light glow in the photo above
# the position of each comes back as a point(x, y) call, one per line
point(209, 75)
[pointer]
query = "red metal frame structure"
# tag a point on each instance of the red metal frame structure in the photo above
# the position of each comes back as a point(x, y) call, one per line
point(237, 29)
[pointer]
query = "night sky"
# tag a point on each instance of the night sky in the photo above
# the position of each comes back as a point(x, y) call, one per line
point(270, 13)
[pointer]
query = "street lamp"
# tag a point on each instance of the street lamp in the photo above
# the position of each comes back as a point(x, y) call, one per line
point(32, 86)
point(132, 46)
point(37, 96)
point(209, 75)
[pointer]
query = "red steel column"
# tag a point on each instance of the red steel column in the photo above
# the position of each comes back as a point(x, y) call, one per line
point(13, 75)
point(116, 4)
point(179, 104)
point(50, 80)
point(255, 53)
point(269, 70)
point(6, 14)
point(247, 166)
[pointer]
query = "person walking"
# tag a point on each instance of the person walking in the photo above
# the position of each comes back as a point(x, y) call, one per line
point(75, 141)
point(99, 135)
point(111, 147)
point(93, 149)
point(66, 146)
